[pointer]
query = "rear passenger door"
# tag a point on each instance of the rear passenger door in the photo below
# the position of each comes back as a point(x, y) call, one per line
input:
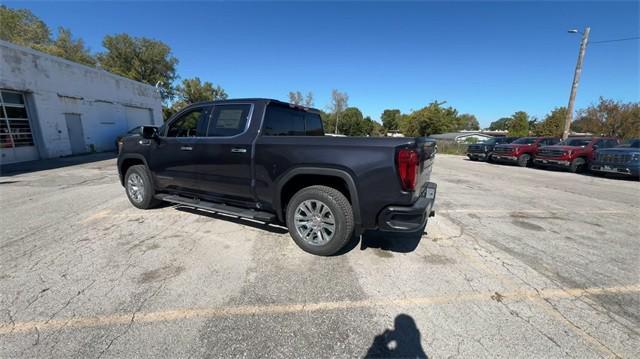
point(225, 154)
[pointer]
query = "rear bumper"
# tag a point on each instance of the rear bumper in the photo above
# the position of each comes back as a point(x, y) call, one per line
point(625, 169)
point(409, 218)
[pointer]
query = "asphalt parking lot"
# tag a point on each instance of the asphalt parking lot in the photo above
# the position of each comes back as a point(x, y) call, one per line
point(518, 262)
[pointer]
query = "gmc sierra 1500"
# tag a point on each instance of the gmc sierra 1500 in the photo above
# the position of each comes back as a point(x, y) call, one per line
point(270, 161)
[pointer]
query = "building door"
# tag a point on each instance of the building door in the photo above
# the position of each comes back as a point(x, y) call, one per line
point(138, 117)
point(76, 134)
point(16, 138)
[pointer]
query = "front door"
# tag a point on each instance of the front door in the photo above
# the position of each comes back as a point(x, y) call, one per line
point(75, 132)
point(173, 158)
point(225, 153)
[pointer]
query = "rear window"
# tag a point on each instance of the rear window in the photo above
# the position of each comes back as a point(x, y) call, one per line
point(283, 121)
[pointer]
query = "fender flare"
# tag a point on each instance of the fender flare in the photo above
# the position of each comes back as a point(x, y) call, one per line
point(334, 172)
point(129, 156)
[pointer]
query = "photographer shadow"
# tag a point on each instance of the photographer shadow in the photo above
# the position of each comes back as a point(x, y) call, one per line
point(402, 342)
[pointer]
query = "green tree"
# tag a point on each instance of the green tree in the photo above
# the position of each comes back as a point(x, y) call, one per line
point(553, 123)
point(339, 102)
point(501, 124)
point(519, 124)
point(610, 118)
point(391, 119)
point(467, 122)
point(22, 27)
point(192, 91)
point(66, 47)
point(429, 120)
point(141, 59)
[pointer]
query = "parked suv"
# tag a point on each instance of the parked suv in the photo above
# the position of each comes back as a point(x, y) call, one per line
point(574, 153)
point(270, 161)
point(523, 150)
point(624, 159)
point(483, 151)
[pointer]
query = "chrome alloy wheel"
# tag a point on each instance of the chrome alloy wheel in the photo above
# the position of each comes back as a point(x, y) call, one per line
point(135, 187)
point(315, 222)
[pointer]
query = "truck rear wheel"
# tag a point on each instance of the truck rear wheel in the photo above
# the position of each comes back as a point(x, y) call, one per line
point(523, 160)
point(320, 220)
point(139, 188)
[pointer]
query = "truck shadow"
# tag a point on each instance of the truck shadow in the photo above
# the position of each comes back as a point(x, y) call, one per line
point(403, 341)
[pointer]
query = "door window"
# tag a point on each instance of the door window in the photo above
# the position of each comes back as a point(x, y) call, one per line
point(283, 121)
point(188, 124)
point(228, 120)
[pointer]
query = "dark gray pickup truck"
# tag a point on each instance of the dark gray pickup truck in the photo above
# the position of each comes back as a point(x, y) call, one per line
point(270, 161)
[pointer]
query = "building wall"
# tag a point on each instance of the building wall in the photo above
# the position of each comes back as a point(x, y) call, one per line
point(108, 104)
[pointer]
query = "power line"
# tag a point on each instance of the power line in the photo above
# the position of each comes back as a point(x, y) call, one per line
point(615, 40)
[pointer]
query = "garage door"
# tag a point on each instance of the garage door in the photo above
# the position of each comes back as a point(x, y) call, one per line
point(16, 137)
point(137, 116)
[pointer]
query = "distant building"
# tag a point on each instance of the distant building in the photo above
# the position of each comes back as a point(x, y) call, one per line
point(463, 136)
point(51, 107)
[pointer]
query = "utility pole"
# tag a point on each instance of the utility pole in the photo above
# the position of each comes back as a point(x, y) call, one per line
point(576, 81)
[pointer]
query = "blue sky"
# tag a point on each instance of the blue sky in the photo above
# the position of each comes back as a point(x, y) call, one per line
point(486, 58)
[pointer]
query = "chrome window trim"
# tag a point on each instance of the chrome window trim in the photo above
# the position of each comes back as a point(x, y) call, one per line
point(212, 107)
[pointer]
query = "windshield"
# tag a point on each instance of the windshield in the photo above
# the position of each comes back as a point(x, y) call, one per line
point(525, 140)
point(632, 144)
point(578, 142)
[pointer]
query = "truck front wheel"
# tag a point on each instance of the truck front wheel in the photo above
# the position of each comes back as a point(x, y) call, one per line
point(578, 165)
point(139, 188)
point(320, 220)
point(524, 160)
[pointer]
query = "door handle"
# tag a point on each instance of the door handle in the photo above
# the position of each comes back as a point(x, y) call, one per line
point(144, 142)
point(239, 150)
point(186, 148)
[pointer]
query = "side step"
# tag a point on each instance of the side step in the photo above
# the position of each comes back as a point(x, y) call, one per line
point(218, 207)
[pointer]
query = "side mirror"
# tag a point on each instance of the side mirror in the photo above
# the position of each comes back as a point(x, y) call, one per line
point(149, 132)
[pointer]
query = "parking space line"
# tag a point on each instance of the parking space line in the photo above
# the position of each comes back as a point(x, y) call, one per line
point(276, 309)
point(533, 211)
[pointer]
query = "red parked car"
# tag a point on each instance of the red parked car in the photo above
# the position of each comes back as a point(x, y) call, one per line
point(523, 150)
point(574, 153)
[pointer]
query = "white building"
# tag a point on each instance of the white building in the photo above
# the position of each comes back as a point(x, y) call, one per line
point(51, 107)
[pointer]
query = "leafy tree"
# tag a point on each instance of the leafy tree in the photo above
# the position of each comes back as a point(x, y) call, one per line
point(308, 100)
point(391, 119)
point(610, 118)
point(296, 97)
point(339, 102)
point(467, 122)
point(141, 59)
point(22, 27)
point(519, 124)
point(500, 124)
point(374, 128)
point(553, 123)
point(66, 47)
point(429, 120)
point(192, 91)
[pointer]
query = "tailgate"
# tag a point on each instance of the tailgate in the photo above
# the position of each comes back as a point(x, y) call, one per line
point(427, 149)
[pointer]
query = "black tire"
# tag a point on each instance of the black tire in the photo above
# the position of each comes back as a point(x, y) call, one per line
point(578, 165)
point(524, 160)
point(342, 213)
point(489, 159)
point(147, 191)
point(473, 158)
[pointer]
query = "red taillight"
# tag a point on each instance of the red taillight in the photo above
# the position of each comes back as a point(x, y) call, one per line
point(408, 161)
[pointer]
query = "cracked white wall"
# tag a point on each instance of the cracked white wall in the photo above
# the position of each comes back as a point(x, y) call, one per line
point(108, 104)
